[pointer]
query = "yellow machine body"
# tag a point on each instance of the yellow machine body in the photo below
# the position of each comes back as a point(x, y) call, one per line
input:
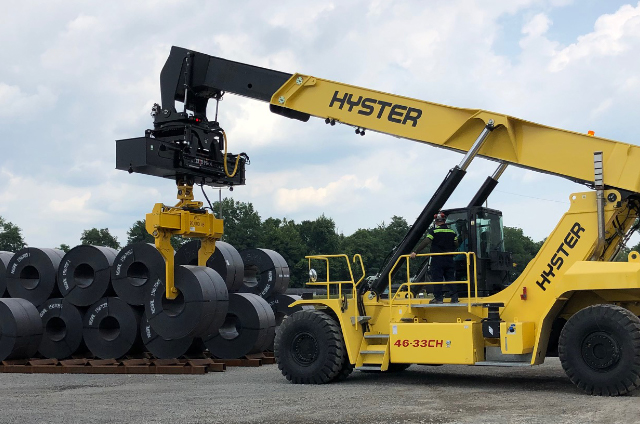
point(558, 282)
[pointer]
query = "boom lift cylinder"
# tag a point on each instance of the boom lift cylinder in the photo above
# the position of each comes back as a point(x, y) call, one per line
point(439, 198)
point(487, 187)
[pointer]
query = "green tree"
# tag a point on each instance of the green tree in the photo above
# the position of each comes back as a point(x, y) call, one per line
point(64, 247)
point(242, 224)
point(138, 234)
point(375, 245)
point(98, 237)
point(283, 236)
point(522, 248)
point(10, 236)
point(320, 236)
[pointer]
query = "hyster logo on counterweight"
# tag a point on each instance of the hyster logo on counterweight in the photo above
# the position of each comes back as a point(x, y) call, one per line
point(570, 241)
point(397, 113)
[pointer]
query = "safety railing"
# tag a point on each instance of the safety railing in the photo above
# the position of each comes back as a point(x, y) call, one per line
point(328, 283)
point(472, 276)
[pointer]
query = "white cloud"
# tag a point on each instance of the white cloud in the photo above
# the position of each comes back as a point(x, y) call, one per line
point(613, 35)
point(334, 195)
point(16, 104)
point(537, 25)
point(80, 75)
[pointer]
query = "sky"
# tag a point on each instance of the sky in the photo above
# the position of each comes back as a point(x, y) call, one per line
point(78, 75)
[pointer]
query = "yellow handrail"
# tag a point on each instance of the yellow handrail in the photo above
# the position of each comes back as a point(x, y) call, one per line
point(470, 256)
point(328, 282)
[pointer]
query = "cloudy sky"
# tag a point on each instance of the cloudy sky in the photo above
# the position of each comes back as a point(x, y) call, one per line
point(77, 75)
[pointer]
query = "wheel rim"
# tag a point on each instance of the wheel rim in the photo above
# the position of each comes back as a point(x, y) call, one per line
point(304, 348)
point(600, 351)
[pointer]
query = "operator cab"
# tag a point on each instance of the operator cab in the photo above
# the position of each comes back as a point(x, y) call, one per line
point(480, 231)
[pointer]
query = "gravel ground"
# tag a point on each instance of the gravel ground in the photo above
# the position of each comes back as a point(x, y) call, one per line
point(421, 394)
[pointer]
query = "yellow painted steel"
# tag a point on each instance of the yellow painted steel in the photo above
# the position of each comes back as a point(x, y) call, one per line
point(436, 343)
point(517, 338)
point(562, 268)
point(563, 278)
point(407, 293)
point(515, 141)
point(188, 219)
point(553, 286)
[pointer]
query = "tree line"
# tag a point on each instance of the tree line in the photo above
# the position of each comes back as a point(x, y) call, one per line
point(244, 228)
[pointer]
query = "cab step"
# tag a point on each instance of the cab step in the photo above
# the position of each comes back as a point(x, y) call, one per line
point(360, 319)
point(376, 336)
point(375, 352)
point(369, 368)
point(502, 364)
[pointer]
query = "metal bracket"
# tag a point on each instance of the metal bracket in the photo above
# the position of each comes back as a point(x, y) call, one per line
point(188, 219)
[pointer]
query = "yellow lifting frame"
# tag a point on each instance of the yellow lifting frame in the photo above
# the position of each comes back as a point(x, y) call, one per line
point(188, 219)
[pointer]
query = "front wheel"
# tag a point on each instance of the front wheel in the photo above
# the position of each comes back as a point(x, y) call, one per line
point(309, 348)
point(599, 349)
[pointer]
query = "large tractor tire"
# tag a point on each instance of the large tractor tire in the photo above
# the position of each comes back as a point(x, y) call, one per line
point(346, 369)
point(599, 348)
point(309, 348)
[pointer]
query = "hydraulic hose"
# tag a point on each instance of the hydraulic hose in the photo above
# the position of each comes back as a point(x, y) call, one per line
point(235, 168)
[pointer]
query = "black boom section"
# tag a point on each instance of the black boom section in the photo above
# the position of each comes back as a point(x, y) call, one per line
point(185, 145)
point(437, 201)
point(210, 76)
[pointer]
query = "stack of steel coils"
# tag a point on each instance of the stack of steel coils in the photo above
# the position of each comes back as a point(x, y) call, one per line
point(99, 302)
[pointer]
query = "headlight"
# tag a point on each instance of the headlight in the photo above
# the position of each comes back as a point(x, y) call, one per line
point(313, 275)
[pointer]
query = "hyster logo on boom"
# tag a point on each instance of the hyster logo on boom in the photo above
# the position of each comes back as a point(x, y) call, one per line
point(557, 260)
point(367, 106)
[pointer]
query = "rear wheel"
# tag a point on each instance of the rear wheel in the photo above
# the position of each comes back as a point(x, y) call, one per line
point(309, 348)
point(599, 348)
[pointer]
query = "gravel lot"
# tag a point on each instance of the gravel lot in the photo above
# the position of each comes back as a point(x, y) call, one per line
point(420, 394)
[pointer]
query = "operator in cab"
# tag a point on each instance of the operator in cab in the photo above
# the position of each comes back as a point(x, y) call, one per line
point(442, 239)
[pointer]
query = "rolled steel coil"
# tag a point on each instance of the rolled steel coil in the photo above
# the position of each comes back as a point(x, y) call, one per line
point(264, 272)
point(20, 329)
point(111, 328)
point(159, 346)
point(198, 310)
point(84, 275)
point(280, 305)
point(135, 269)
point(5, 257)
point(225, 260)
point(249, 327)
point(32, 274)
point(62, 329)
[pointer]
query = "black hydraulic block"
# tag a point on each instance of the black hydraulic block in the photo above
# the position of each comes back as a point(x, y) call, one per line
point(152, 156)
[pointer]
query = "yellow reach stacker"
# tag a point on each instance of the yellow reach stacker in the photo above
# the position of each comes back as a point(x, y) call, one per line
point(571, 301)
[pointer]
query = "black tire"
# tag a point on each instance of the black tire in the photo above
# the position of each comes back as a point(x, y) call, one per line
point(345, 370)
point(599, 349)
point(309, 348)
